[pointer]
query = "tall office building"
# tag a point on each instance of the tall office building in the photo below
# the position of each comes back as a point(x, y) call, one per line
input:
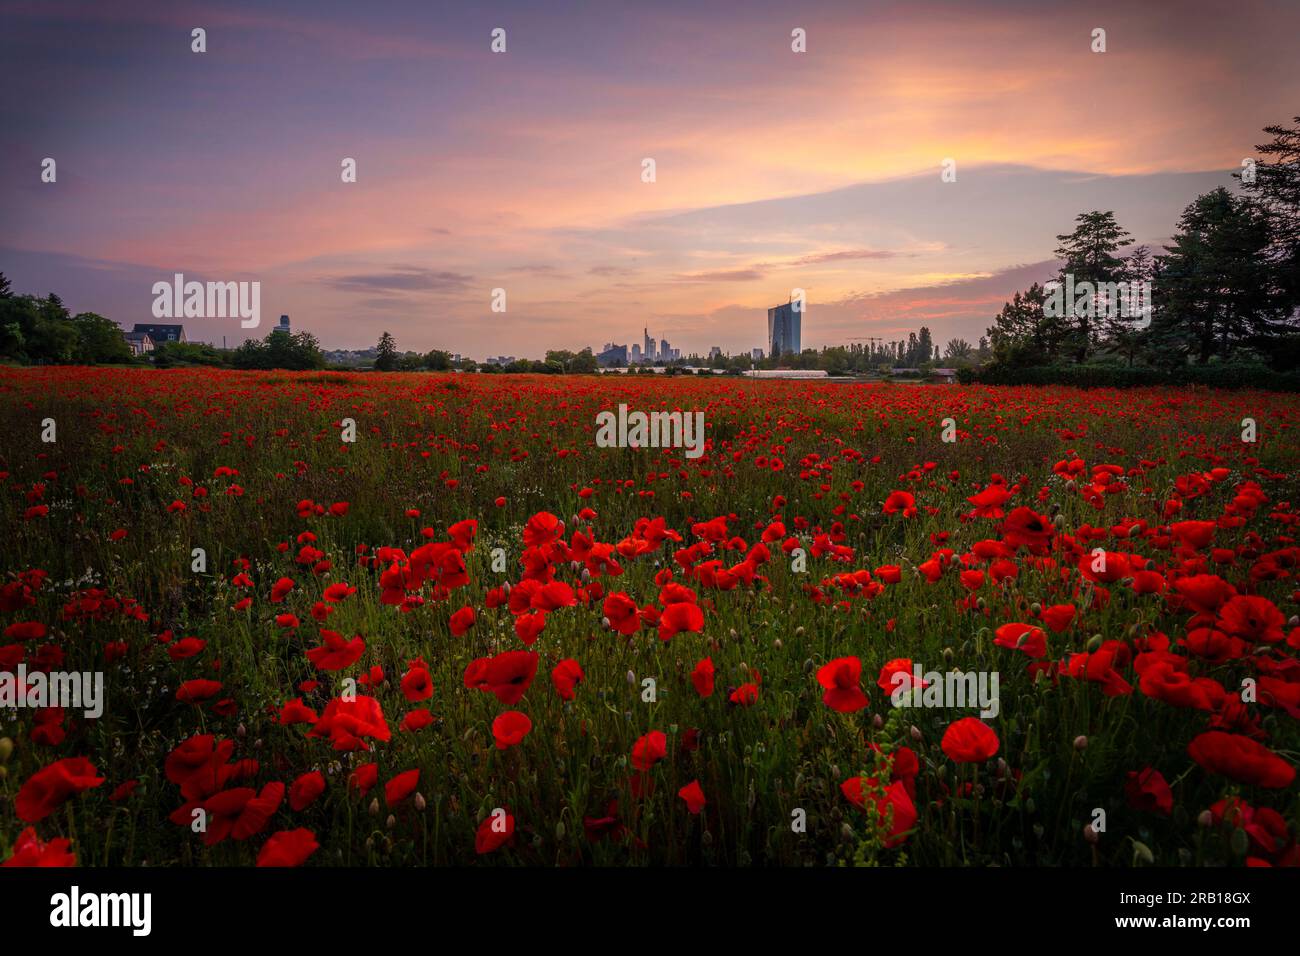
point(649, 345)
point(636, 353)
point(783, 330)
point(284, 323)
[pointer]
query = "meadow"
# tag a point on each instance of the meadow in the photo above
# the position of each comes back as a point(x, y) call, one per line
point(471, 636)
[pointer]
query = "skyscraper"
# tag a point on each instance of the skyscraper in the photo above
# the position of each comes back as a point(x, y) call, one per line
point(783, 330)
point(649, 349)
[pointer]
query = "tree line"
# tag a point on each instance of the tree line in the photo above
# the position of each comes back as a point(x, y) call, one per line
point(1226, 289)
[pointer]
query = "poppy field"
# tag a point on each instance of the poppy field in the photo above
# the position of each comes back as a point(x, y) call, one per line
point(372, 619)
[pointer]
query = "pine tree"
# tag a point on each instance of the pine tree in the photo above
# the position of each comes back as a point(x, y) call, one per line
point(386, 353)
point(1089, 255)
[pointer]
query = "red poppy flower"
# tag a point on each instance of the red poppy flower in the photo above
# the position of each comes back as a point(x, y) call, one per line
point(507, 675)
point(288, 848)
point(198, 690)
point(969, 740)
point(676, 618)
point(462, 621)
point(1241, 759)
point(401, 787)
point(494, 832)
point(693, 794)
point(336, 653)
point(841, 679)
point(565, 677)
point(304, 791)
point(1147, 790)
point(29, 850)
point(649, 750)
point(622, 613)
point(347, 723)
point(510, 728)
point(702, 677)
point(895, 812)
point(1029, 640)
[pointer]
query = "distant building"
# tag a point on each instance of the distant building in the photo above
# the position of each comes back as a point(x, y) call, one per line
point(612, 356)
point(499, 360)
point(786, 373)
point(635, 356)
point(139, 342)
point(947, 376)
point(715, 352)
point(756, 354)
point(161, 333)
point(666, 352)
point(284, 324)
point(649, 351)
point(783, 330)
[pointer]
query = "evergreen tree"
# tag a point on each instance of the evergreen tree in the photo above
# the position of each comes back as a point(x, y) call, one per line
point(386, 357)
point(1215, 290)
point(1089, 254)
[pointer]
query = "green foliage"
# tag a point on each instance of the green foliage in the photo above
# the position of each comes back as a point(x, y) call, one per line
point(386, 357)
point(1096, 375)
point(279, 350)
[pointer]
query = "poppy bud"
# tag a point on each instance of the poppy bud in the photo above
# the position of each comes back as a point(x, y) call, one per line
point(798, 631)
point(1081, 742)
point(257, 744)
point(877, 722)
point(6, 749)
point(1059, 521)
point(979, 603)
point(586, 575)
point(374, 807)
point(1239, 842)
point(241, 731)
point(808, 666)
point(706, 838)
point(777, 644)
point(559, 830)
point(604, 622)
point(948, 655)
point(631, 679)
point(1002, 768)
point(846, 833)
point(420, 802)
point(1206, 819)
point(1094, 642)
point(732, 634)
point(1090, 833)
point(391, 821)
point(1036, 609)
point(916, 733)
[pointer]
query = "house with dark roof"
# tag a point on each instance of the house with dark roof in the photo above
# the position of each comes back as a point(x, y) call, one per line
point(161, 333)
point(140, 342)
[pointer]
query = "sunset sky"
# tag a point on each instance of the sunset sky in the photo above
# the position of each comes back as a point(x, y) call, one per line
point(522, 170)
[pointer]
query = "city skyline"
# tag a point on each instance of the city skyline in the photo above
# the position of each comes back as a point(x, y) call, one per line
point(470, 180)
